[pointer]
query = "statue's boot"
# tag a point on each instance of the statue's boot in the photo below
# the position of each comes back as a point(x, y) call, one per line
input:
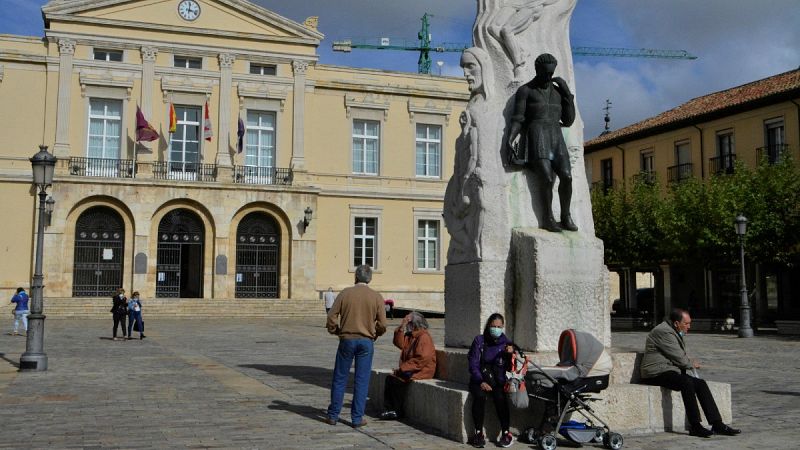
point(550, 224)
point(567, 223)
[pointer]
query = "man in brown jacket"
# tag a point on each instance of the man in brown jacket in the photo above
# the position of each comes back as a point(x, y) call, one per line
point(417, 362)
point(358, 318)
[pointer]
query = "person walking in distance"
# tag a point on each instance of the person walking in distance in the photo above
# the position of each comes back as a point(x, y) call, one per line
point(357, 318)
point(135, 316)
point(119, 311)
point(21, 311)
point(329, 296)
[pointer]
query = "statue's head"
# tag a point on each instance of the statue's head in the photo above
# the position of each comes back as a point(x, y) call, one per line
point(545, 65)
point(477, 70)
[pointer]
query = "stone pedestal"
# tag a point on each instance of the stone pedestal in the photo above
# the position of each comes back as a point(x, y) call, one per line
point(473, 291)
point(560, 283)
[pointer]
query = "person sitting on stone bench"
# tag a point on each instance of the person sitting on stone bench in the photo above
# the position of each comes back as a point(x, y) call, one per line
point(417, 362)
point(665, 363)
point(489, 358)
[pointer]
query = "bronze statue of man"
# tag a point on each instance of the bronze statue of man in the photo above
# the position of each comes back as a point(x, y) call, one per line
point(541, 107)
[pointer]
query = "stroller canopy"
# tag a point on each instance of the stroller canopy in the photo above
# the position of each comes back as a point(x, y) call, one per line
point(583, 351)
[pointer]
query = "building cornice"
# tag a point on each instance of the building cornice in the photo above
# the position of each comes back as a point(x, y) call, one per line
point(20, 57)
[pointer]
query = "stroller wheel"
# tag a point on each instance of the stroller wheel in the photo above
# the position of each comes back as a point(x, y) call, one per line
point(530, 435)
point(548, 442)
point(599, 435)
point(612, 441)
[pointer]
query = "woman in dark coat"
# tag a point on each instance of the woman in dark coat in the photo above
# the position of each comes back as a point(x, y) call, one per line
point(119, 310)
point(488, 359)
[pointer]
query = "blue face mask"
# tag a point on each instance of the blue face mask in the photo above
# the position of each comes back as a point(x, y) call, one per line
point(681, 334)
point(495, 331)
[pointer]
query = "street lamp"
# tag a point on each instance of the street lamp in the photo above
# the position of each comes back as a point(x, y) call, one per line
point(440, 64)
point(307, 216)
point(34, 358)
point(744, 307)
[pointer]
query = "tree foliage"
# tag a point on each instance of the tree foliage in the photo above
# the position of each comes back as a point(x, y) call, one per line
point(643, 223)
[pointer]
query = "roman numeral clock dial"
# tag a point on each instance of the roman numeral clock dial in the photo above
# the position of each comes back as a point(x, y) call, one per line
point(189, 10)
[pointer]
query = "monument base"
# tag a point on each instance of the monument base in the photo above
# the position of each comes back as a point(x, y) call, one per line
point(473, 292)
point(560, 283)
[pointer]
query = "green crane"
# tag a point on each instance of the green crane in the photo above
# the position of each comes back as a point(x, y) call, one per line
point(424, 46)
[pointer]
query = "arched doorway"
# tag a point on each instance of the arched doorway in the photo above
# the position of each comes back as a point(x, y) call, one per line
point(99, 248)
point(258, 244)
point(179, 263)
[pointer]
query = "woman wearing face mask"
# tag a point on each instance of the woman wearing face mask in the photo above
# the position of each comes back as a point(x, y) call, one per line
point(417, 362)
point(488, 358)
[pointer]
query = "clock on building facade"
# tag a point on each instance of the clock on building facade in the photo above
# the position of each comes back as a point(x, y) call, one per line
point(189, 10)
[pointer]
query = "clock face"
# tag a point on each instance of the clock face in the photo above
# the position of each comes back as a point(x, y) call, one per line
point(189, 9)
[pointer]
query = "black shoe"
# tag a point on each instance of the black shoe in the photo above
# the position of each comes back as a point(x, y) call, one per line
point(725, 430)
point(142, 336)
point(478, 440)
point(550, 224)
point(700, 431)
point(389, 415)
point(568, 224)
point(506, 439)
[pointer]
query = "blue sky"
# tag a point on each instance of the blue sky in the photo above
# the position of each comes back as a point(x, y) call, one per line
point(737, 41)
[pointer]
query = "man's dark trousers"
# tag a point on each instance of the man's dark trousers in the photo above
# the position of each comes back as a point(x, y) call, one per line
point(690, 388)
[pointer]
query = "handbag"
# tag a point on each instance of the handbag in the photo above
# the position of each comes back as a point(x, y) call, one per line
point(136, 325)
point(515, 380)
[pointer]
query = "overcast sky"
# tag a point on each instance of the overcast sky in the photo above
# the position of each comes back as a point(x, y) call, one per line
point(737, 41)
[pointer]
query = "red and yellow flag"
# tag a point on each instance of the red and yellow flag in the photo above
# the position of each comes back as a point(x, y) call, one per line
point(173, 119)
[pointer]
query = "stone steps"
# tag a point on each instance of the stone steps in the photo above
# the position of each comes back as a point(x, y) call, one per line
point(98, 308)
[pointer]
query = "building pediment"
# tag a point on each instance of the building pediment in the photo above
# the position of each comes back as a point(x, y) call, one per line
point(229, 18)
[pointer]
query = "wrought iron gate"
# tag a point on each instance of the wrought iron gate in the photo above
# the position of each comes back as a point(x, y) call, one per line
point(99, 247)
point(257, 257)
point(179, 263)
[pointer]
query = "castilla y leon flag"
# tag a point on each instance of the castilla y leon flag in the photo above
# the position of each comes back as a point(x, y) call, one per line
point(240, 135)
point(144, 131)
point(207, 133)
point(173, 119)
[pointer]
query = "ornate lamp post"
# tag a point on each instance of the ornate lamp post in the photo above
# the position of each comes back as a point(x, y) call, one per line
point(744, 308)
point(34, 358)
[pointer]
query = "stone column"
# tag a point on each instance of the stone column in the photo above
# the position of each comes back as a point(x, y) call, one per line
point(225, 86)
point(298, 162)
point(148, 79)
point(66, 48)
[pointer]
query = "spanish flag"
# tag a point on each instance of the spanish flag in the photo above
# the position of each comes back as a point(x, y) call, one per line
point(173, 119)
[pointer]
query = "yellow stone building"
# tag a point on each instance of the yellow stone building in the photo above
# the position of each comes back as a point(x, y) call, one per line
point(338, 166)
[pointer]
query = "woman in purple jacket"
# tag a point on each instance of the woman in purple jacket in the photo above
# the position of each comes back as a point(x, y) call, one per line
point(488, 359)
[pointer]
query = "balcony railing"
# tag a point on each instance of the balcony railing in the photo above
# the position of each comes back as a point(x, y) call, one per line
point(679, 172)
point(184, 171)
point(604, 186)
point(645, 177)
point(101, 167)
point(772, 153)
point(262, 175)
point(722, 164)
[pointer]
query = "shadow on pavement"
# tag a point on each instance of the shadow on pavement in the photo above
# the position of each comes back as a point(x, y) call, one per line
point(13, 363)
point(789, 393)
point(306, 411)
point(306, 374)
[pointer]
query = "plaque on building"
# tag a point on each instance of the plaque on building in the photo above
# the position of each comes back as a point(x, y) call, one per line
point(140, 263)
point(221, 265)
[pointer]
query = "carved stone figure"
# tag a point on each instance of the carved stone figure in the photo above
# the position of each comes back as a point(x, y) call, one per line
point(541, 107)
point(478, 73)
point(462, 203)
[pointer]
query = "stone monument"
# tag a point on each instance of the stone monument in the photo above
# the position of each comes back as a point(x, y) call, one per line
point(507, 254)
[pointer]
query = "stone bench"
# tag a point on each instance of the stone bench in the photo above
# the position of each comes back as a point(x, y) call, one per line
point(788, 327)
point(443, 404)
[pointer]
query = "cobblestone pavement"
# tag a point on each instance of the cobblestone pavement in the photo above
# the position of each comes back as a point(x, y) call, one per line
point(264, 384)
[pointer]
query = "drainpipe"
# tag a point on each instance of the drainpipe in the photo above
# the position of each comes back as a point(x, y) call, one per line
point(622, 152)
point(797, 105)
point(702, 155)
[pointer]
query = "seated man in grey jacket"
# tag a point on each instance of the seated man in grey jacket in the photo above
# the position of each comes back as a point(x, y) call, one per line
point(665, 364)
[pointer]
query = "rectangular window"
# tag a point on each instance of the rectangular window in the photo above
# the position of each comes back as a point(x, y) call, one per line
point(188, 62)
point(607, 171)
point(683, 153)
point(366, 146)
point(184, 147)
point(260, 144)
point(364, 241)
point(725, 143)
point(262, 69)
point(427, 244)
point(105, 128)
point(429, 150)
point(647, 163)
point(107, 55)
point(773, 133)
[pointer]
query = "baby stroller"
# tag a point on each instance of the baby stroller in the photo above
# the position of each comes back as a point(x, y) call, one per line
point(565, 389)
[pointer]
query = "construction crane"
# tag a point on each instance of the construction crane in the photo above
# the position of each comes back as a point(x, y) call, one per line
point(424, 46)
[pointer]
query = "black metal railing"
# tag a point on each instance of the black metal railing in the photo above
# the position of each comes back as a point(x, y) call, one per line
point(262, 175)
point(679, 172)
point(772, 153)
point(722, 164)
point(645, 178)
point(604, 186)
point(185, 171)
point(101, 167)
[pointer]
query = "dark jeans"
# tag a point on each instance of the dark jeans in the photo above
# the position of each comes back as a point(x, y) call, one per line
point(394, 394)
point(479, 405)
point(135, 316)
point(690, 388)
point(119, 319)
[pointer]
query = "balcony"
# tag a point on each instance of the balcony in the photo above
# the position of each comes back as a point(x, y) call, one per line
point(262, 175)
point(772, 153)
point(184, 171)
point(101, 167)
point(680, 172)
point(645, 178)
point(720, 165)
